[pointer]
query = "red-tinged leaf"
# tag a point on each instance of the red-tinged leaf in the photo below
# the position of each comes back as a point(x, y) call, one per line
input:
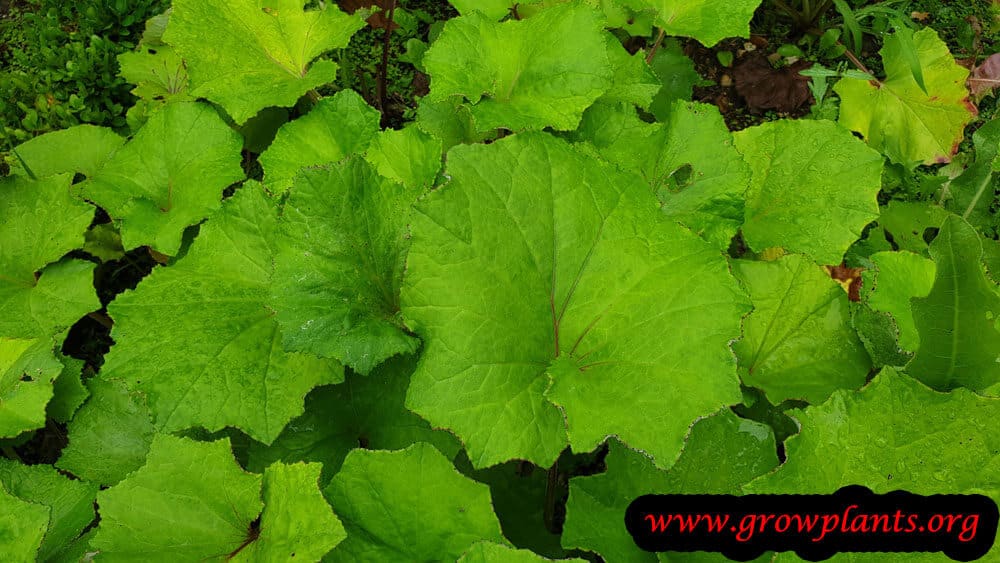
point(985, 77)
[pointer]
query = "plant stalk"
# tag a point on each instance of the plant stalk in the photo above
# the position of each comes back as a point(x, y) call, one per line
point(551, 495)
point(656, 45)
point(383, 69)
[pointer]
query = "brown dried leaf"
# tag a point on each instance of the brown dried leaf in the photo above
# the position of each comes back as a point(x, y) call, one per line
point(765, 87)
point(379, 20)
point(351, 6)
point(920, 16)
point(848, 278)
point(985, 77)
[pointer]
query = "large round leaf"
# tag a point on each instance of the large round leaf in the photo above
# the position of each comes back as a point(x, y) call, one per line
point(813, 188)
point(909, 125)
point(539, 266)
point(248, 55)
point(199, 339)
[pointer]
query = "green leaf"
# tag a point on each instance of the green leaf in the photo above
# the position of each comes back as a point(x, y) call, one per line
point(991, 256)
point(537, 263)
point(677, 78)
point(70, 502)
point(508, 80)
point(879, 333)
point(332, 130)
point(169, 176)
point(63, 293)
point(899, 119)
point(82, 149)
point(908, 222)
point(339, 264)
point(22, 527)
point(493, 9)
point(199, 339)
point(297, 523)
point(689, 162)
point(110, 435)
point(798, 343)
point(908, 51)
point(408, 505)
point(895, 434)
point(489, 552)
point(899, 277)
point(518, 491)
point(722, 453)
point(708, 21)
point(188, 502)
point(103, 242)
point(813, 190)
point(246, 56)
point(260, 130)
point(633, 80)
point(408, 156)
point(39, 223)
point(77, 550)
point(27, 370)
point(159, 73)
point(365, 411)
point(957, 321)
point(68, 391)
point(851, 24)
point(451, 121)
point(973, 193)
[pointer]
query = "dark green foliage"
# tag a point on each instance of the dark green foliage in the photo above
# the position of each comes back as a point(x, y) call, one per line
point(59, 64)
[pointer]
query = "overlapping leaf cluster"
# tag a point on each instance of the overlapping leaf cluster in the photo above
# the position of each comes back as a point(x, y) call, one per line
point(362, 356)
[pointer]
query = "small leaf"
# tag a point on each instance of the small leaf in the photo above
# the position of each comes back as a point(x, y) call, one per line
point(22, 527)
point(708, 21)
point(41, 295)
point(899, 118)
point(736, 449)
point(466, 58)
point(169, 176)
point(210, 348)
point(110, 434)
point(957, 321)
point(246, 56)
point(334, 128)
point(27, 370)
point(798, 342)
point(898, 278)
point(339, 265)
point(408, 505)
point(814, 187)
point(908, 49)
point(364, 411)
point(189, 501)
point(70, 501)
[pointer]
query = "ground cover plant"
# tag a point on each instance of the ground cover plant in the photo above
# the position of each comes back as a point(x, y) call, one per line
point(380, 281)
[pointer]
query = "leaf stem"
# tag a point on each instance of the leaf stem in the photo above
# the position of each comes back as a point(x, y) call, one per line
point(656, 45)
point(979, 193)
point(383, 69)
point(847, 53)
point(24, 164)
point(551, 495)
point(857, 62)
